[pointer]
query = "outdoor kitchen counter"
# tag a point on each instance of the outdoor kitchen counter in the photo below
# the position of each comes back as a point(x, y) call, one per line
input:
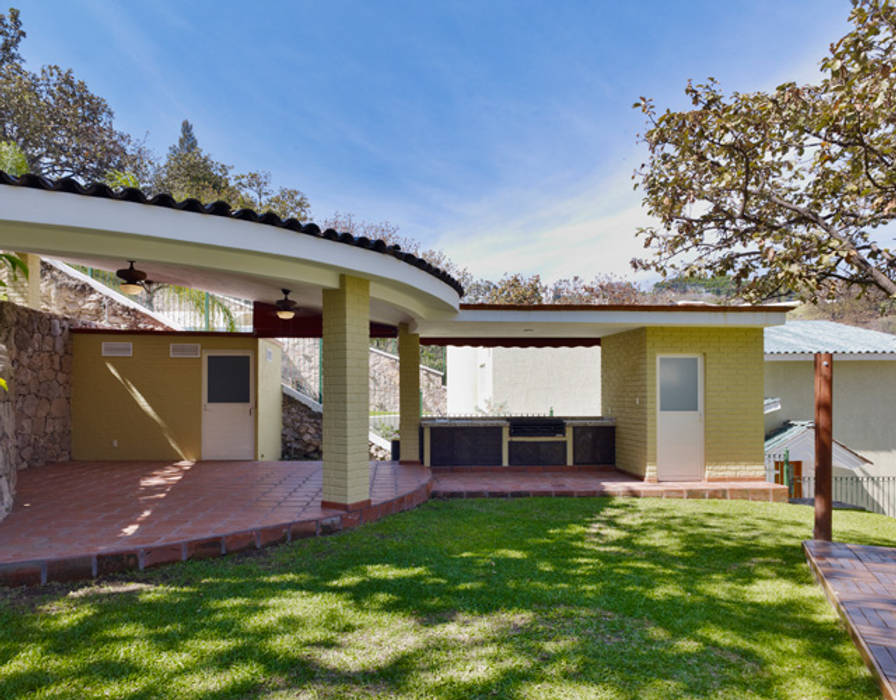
point(518, 441)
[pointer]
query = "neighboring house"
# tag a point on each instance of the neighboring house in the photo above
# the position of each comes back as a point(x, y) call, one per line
point(521, 381)
point(864, 387)
point(796, 440)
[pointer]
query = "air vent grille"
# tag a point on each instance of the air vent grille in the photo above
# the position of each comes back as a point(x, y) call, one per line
point(185, 349)
point(118, 349)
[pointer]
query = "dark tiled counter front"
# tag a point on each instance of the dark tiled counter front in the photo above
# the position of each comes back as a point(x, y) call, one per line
point(517, 442)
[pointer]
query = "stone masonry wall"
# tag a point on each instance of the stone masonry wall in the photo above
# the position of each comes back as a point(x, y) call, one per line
point(302, 433)
point(35, 414)
point(301, 430)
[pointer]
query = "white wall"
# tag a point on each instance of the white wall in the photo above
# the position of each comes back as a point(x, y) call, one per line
point(469, 380)
point(524, 381)
point(864, 404)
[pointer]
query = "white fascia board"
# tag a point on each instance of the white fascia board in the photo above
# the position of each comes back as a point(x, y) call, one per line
point(78, 216)
point(838, 356)
point(571, 324)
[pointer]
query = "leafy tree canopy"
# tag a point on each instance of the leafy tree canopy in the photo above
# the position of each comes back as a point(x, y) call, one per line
point(62, 128)
point(12, 160)
point(720, 285)
point(11, 35)
point(783, 190)
point(188, 171)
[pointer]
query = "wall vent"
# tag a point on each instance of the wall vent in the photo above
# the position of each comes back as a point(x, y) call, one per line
point(118, 349)
point(185, 349)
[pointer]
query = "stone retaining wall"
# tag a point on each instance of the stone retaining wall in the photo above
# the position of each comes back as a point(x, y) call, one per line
point(35, 413)
point(302, 433)
point(301, 430)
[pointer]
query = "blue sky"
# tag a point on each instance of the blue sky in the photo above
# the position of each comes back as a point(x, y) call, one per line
point(501, 132)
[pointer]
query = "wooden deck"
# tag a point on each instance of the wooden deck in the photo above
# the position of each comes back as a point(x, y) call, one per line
point(860, 582)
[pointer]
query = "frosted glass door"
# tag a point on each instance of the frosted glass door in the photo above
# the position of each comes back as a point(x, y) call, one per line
point(679, 435)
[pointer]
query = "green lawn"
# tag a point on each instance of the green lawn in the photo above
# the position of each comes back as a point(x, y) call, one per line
point(526, 598)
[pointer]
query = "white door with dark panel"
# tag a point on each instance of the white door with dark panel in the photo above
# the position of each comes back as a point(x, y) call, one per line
point(679, 432)
point(228, 404)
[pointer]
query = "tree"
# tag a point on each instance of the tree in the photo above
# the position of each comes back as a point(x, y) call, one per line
point(187, 141)
point(514, 288)
point(718, 286)
point(603, 289)
point(12, 160)
point(190, 172)
point(62, 128)
point(256, 192)
point(388, 232)
point(11, 35)
point(783, 190)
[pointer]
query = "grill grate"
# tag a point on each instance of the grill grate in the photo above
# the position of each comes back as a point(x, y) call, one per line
point(537, 427)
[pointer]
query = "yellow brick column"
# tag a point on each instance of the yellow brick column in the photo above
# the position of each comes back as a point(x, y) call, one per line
point(409, 395)
point(346, 339)
point(25, 291)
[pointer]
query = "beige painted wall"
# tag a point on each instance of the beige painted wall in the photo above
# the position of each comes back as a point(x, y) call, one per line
point(270, 401)
point(864, 404)
point(151, 404)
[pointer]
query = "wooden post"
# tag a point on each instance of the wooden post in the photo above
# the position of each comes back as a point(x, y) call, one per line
point(824, 372)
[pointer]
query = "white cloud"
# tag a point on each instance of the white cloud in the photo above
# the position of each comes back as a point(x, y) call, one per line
point(586, 233)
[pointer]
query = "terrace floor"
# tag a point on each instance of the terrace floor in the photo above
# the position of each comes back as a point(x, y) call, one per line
point(84, 519)
point(491, 482)
point(860, 582)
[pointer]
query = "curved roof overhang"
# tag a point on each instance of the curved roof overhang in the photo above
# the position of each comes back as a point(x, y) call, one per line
point(555, 325)
point(225, 255)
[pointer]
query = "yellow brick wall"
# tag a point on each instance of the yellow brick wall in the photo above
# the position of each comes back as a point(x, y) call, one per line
point(624, 396)
point(733, 364)
point(409, 394)
point(345, 360)
point(151, 403)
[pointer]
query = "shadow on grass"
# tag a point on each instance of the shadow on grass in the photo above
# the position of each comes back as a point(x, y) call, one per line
point(537, 597)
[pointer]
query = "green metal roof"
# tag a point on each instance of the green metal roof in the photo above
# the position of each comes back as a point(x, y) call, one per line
point(798, 337)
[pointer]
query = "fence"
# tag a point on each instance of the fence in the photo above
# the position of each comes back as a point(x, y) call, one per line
point(190, 309)
point(301, 365)
point(873, 493)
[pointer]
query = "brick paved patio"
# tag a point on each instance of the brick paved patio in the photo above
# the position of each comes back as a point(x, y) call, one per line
point(77, 520)
point(860, 582)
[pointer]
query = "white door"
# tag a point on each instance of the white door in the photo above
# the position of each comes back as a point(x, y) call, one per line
point(679, 432)
point(228, 404)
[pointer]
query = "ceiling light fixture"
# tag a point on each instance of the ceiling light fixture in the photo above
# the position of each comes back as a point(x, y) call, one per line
point(131, 279)
point(286, 307)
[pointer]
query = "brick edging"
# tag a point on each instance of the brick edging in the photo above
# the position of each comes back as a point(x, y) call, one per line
point(886, 689)
point(64, 569)
point(722, 493)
